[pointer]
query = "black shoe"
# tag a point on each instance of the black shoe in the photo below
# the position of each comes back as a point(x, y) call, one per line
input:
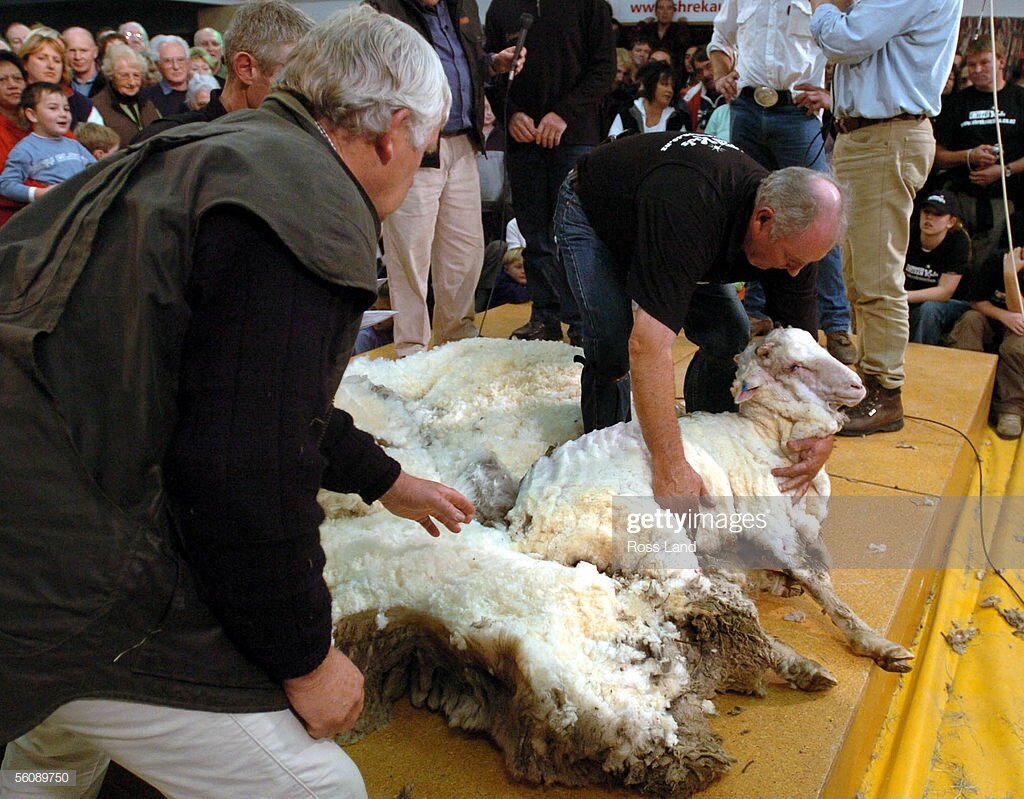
point(538, 331)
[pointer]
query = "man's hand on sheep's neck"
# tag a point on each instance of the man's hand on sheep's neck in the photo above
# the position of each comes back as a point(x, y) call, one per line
point(813, 453)
point(417, 499)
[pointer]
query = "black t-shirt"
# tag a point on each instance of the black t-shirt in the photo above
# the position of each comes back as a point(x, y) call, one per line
point(673, 209)
point(988, 282)
point(923, 267)
point(967, 120)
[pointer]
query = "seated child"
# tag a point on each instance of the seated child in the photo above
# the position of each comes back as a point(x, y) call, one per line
point(937, 258)
point(990, 326)
point(46, 156)
point(99, 140)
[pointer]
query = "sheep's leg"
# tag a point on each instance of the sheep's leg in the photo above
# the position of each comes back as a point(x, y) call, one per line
point(863, 640)
point(770, 581)
point(797, 670)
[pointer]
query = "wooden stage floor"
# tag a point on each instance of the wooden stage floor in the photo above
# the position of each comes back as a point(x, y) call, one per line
point(788, 743)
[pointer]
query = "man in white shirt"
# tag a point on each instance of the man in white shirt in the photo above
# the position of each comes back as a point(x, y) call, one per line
point(767, 65)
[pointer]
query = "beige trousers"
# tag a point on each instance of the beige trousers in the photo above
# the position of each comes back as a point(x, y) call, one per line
point(436, 233)
point(883, 167)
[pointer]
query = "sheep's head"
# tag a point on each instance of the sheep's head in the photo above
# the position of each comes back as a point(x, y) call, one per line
point(791, 374)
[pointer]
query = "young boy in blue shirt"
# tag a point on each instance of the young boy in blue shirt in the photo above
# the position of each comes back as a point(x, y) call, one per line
point(46, 156)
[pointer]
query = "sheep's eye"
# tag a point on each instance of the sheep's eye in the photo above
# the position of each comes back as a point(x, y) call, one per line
point(796, 366)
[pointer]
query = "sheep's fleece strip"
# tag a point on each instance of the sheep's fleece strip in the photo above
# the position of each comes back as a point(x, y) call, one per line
point(579, 677)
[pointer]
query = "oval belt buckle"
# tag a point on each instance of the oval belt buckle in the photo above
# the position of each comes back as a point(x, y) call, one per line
point(765, 96)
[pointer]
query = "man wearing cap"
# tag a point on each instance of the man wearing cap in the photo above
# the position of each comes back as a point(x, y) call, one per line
point(892, 59)
point(770, 71)
point(938, 257)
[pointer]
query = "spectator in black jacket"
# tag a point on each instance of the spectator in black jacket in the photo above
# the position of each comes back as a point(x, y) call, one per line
point(554, 113)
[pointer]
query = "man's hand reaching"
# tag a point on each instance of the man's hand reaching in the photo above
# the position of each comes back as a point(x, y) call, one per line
point(413, 498)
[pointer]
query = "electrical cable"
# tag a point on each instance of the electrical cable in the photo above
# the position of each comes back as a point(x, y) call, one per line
point(981, 501)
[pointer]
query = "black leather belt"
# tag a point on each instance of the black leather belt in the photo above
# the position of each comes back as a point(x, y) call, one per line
point(453, 133)
point(850, 124)
point(767, 97)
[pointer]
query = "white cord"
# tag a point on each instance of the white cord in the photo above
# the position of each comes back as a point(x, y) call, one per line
point(1012, 287)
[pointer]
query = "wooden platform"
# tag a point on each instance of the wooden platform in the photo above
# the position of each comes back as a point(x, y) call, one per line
point(789, 743)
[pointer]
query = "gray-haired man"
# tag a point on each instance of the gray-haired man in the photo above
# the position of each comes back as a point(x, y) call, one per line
point(256, 45)
point(169, 610)
point(652, 232)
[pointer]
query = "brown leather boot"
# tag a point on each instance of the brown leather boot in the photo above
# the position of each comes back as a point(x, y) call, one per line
point(881, 411)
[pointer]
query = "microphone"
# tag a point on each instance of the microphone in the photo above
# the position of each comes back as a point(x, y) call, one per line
point(525, 21)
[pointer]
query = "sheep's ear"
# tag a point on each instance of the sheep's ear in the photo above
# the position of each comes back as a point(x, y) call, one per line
point(746, 392)
point(765, 348)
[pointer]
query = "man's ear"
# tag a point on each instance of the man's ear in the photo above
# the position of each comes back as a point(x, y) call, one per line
point(384, 144)
point(245, 68)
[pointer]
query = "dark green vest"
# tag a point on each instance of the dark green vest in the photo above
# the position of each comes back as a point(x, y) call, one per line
point(94, 600)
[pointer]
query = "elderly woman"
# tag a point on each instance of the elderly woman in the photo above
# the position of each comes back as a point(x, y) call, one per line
point(13, 127)
point(200, 62)
point(179, 405)
point(119, 101)
point(199, 89)
point(652, 111)
point(45, 55)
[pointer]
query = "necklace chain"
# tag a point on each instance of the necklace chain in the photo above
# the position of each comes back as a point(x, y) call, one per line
point(329, 140)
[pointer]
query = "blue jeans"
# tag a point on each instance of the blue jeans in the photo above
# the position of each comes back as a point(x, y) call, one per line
point(784, 136)
point(715, 322)
point(536, 174)
point(931, 320)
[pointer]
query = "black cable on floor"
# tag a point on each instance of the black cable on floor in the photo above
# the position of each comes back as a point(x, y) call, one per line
point(981, 500)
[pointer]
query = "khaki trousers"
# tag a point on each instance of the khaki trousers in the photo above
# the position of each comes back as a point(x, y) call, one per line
point(883, 167)
point(977, 332)
point(437, 233)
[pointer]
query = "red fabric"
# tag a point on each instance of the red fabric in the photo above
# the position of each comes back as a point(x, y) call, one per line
point(10, 134)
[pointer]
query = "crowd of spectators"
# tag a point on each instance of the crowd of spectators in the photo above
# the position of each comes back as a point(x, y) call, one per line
point(121, 86)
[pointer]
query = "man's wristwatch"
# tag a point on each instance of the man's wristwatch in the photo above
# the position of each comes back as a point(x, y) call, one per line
point(1008, 171)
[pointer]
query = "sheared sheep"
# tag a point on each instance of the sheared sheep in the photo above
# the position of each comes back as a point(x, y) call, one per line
point(787, 387)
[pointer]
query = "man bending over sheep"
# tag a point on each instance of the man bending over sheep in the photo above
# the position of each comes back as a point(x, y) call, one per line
point(652, 230)
point(173, 327)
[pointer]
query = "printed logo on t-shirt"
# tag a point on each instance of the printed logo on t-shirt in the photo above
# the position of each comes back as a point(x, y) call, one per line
point(986, 116)
point(694, 139)
point(923, 273)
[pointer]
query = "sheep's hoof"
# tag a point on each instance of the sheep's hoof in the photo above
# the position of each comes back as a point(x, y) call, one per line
point(894, 658)
point(816, 679)
point(806, 674)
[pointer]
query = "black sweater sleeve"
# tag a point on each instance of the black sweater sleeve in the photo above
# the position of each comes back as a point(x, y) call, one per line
point(259, 367)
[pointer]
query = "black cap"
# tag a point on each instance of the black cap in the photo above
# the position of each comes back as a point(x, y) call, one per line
point(944, 202)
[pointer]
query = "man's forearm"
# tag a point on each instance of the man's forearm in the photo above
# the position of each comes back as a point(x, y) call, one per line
point(653, 377)
point(721, 63)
